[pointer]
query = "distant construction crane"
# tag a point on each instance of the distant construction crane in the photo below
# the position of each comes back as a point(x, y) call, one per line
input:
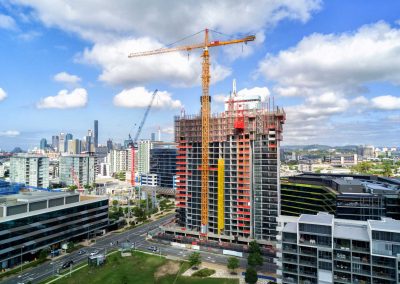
point(133, 143)
point(205, 107)
point(76, 179)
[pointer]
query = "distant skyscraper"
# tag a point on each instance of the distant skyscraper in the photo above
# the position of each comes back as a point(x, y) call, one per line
point(61, 144)
point(43, 144)
point(96, 133)
point(109, 145)
point(68, 137)
point(55, 141)
point(74, 146)
point(153, 137)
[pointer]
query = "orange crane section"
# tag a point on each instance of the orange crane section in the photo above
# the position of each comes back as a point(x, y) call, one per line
point(205, 107)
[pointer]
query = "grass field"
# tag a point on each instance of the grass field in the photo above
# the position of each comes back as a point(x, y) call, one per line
point(139, 268)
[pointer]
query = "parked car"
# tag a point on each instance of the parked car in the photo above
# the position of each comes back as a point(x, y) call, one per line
point(82, 251)
point(94, 252)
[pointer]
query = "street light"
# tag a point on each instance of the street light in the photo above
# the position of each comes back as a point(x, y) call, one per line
point(53, 263)
point(22, 246)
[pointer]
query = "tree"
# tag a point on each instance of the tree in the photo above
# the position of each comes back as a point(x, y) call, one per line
point(251, 276)
point(43, 254)
point(72, 188)
point(254, 247)
point(115, 202)
point(233, 263)
point(387, 170)
point(254, 259)
point(195, 259)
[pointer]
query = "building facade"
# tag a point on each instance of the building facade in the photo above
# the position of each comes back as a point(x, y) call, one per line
point(55, 141)
point(74, 146)
point(144, 147)
point(319, 249)
point(163, 163)
point(119, 161)
point(33, 221)
point(77, 168)
point(96, 134)
point(31, 170)
point(355, 197)
point(149, 180)
point(243, 192)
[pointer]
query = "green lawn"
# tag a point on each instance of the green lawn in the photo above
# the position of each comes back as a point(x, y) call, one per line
point(139, 268)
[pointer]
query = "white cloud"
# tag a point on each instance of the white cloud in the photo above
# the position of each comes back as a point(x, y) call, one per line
point(386, 102)
point(344, 61)
point(114, 34)
point(75, 99)
point(263, 92)
point(331, 74)
point(64, 77)
point(175, 68)
point(7, 22)
point(9, 133)
point(139, 97)
point(114, 18)
point(168, 130)
point(3, 94)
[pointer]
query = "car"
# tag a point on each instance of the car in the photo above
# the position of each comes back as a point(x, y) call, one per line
point(94, 252)
point(152, 248)
point(82, 251)
point(67, 264)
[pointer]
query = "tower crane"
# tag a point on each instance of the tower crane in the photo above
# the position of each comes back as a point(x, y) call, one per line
point(133, 144)
point(205, 106)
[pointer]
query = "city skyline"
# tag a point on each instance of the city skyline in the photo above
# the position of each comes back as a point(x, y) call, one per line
point(336, 79)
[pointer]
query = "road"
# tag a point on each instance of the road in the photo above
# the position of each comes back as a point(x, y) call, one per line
point(46, 270)
point(136, 236)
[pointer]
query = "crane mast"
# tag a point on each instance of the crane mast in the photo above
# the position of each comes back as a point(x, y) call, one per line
point(205, 108)
point(135, 139)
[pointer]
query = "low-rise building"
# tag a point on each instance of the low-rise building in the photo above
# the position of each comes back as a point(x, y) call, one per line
point(33, 221)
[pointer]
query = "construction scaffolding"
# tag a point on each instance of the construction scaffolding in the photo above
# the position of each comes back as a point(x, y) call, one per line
point(243, 160)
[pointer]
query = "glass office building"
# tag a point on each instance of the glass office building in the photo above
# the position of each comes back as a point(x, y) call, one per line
point(33, 221)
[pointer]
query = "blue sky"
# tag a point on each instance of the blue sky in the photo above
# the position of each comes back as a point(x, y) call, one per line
point(333, 65)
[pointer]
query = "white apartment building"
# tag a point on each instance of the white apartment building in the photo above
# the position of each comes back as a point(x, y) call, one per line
point(143, 159)
point(29, 169)
point(77, 167)
point(321, 249)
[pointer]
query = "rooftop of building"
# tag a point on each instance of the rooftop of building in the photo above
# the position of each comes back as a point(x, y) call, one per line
point(36, 202)
point(346, 229)
point(321, 218)
point(349, 183)
point(358, 232)
point(28, 155)
point(386, 224)
point(31, 196)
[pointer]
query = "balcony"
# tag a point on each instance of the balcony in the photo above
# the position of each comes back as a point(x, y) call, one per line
point(291, 280)
point(289, 260)
point(362, 272)
point(360, 249)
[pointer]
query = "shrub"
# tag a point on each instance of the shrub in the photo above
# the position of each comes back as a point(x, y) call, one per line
point(205, 272)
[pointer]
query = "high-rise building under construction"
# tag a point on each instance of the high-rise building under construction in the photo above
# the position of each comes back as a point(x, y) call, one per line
point(243, 194)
